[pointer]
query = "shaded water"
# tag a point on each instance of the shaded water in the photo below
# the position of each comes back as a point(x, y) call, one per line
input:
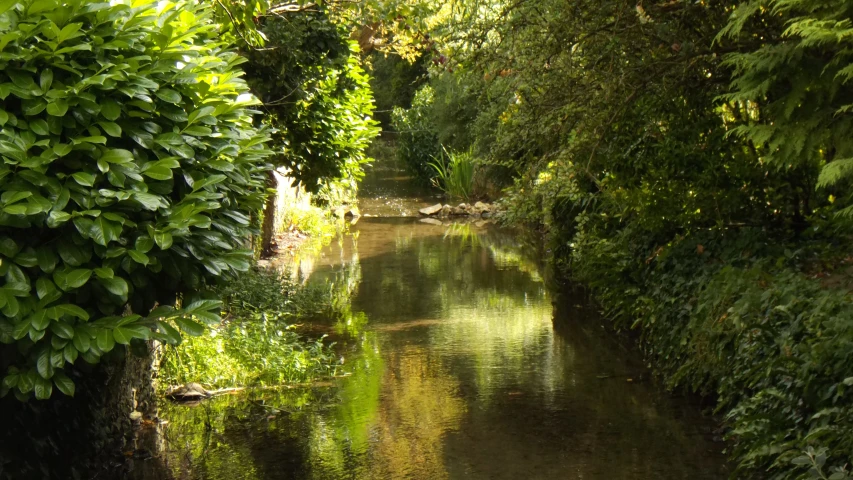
point(463, 365)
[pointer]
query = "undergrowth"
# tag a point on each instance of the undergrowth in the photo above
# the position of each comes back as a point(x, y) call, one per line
point(764, 327)
point(255, 345)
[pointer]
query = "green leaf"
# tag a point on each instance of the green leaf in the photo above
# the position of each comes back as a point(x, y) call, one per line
point(46, 79)
point(81, 341)
point(91, 139)
point(44, 287)
point(62, 149)
point(104, 272)
point(43, 389)
point(68, 280)
point(43, 365)
point(138, 257)
point(158, 172)
point(72, 254)
point(21, 329)
point(46, 259)
point(116, 286)
point(40, 319)
point(105, 340)
point(6, 5)
point(70, 352)
point(191, 327)
point(57, 360)
point(124, 335)
point(62, 330)
point(56, 219)
point(111, 128)
point(16, 209)
point(103, 231)
point(58, 343)
point(58, 107)
point(170, 334)
point(12, 306)
point(206, 304)
point(8, 247)
point(74, 311)
point(149, 201)
point(39, 127)
point(83, 178)
point(144, 244)
point(110, 109)
point(27, 381)
point(69, 31)
point(163, 240)
point(168, 95)
point(117, 155)
point(11, 380)
point(63, 383)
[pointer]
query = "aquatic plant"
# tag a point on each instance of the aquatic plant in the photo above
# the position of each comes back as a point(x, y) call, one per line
point(454, 173)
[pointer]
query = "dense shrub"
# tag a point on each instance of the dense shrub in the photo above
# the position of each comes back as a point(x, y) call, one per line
point(130, 168)
point(417, 140)
point(317, 99)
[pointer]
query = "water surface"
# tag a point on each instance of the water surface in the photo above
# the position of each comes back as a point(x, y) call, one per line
point(462, 365)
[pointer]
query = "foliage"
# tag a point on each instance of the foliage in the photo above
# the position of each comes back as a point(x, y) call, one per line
point(256, 344)
point(455, 173)
point(671, 149)
point(394, 82)
point(317, 98)
point(794, 72)
point(130, 168)
point(729, 313)
point(417, 141)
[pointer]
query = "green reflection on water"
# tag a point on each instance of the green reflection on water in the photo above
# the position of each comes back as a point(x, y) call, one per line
point(456, 370)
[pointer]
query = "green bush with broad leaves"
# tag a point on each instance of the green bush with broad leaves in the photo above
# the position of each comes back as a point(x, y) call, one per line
point(130, 165)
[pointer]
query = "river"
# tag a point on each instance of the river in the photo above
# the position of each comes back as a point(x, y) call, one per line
point(461, 363)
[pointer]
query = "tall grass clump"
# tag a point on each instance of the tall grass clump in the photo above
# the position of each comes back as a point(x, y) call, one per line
point(455, 173)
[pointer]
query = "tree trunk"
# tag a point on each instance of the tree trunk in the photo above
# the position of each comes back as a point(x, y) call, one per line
point(268, 228)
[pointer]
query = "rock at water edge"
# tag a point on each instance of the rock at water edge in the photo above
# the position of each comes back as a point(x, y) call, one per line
point(431, 210)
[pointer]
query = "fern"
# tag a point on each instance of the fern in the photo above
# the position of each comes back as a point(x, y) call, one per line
point(834, 172)
point(796, 70)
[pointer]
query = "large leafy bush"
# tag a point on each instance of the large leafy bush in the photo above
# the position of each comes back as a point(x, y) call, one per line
point(317, 98)
point(130, 166)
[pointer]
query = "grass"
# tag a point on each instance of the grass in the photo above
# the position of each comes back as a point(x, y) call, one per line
point(255, 345)
point(455, 173)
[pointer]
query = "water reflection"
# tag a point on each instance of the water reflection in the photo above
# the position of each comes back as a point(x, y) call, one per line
point(459, 369)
